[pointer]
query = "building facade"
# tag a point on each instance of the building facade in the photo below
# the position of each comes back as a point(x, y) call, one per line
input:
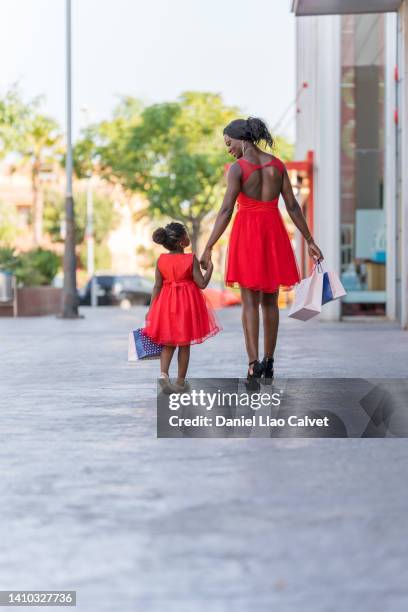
point(129, 244)
point(353, 115)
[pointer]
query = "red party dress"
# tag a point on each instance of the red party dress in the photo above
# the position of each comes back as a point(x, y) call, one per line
point(180, 315)
point(260, 255)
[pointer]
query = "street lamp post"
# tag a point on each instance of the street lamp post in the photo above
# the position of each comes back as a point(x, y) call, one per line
point(70, 298)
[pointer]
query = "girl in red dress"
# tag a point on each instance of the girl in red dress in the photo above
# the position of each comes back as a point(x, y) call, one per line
point(179, 314)
point(260, 256)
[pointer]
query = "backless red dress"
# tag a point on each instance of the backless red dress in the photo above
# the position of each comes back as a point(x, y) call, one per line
point(260, 256)
point(180, 315)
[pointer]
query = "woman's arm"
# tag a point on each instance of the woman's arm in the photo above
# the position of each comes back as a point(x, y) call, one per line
point(297, 216)
point(158, 282)
point(225, 212)
point(202, 280)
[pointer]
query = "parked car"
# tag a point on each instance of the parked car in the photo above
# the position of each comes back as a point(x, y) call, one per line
point(118, 290)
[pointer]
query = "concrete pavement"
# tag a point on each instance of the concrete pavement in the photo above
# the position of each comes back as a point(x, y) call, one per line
point(92, 501)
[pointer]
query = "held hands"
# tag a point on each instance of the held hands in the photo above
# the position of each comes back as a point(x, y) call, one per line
point(205, 259)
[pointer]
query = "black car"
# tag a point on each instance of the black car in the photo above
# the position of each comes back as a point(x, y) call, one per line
point(118, 290)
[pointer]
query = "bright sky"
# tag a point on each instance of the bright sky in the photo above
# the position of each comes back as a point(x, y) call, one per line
point(153, 50)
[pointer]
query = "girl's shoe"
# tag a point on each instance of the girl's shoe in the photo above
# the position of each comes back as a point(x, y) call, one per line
point(184, 388)
point(164, 382)
point(267, 363)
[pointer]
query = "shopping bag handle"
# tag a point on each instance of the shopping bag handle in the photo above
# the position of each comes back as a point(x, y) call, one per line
point(318, 266)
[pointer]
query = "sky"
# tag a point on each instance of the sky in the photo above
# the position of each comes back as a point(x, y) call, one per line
point(153, 50)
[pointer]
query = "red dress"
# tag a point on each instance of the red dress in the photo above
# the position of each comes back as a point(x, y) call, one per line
point(260, 255)
point(180, 314)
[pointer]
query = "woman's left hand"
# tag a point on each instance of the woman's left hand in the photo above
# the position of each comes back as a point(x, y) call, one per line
point(205, 258)
point(315, 252)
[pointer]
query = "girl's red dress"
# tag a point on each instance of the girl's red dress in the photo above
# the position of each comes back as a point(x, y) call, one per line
point(180, 314)
point(260, 255)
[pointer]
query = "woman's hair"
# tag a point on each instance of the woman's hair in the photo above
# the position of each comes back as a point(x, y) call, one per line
point(170, 235)
point(252, 129)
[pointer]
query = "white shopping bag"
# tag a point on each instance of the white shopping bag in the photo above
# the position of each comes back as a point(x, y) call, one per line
point(132, 355)
point(308, 297)
point(336, 287)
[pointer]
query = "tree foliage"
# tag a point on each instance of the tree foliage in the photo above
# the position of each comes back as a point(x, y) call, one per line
point(8, 223)
point(24, 130)
point(101, 144)
point(171, 152)
point(105, 217)
point(283, 149)
point(14, 114)
point(32, 268)
point(35, 139)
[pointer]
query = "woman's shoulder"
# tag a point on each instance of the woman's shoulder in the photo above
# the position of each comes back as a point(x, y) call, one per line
point(280, 163)
point(276, 161)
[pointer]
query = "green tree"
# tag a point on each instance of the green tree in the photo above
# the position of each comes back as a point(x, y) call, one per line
point(8, 259)
point(101, 144)
point(105, 220)
point(105, 217)
point(174, 155)
point(8, 223)
point(13, 116)
point(35, 138)
point(40, 148)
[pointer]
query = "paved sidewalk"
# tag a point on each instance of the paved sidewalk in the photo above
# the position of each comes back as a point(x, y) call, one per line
point(92, 501)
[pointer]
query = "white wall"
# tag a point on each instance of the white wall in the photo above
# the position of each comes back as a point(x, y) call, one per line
point(318, 129)
point(390, 144)
point(306, 71)
point(403, 124)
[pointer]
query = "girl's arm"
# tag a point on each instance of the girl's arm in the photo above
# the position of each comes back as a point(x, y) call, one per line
point(296, 214)
point(158, 282)
point(225, 212)
point(202, 280)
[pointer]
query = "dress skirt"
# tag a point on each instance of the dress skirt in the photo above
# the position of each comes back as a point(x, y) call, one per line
point(260, 255)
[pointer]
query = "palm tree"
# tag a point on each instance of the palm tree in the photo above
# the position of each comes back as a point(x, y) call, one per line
point(40, 148)
point(13, 114)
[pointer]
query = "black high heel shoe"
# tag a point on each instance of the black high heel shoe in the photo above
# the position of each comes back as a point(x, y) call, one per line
point(257, 371)
point(267, 367)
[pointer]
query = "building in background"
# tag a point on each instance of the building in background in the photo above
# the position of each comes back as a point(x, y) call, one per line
point(353, 55)
point(129, 243)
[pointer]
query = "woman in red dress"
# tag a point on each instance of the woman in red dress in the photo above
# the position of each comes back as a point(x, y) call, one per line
point(179, 314)
point(260, 257)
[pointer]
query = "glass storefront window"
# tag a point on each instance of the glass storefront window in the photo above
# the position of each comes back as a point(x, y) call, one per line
point(362, 214)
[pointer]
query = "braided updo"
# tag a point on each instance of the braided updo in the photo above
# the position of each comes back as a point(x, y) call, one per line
point(170, 235)
point(252, 129)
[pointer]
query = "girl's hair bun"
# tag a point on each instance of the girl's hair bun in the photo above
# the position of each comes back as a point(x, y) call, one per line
point(170, 235)
point(159, 235)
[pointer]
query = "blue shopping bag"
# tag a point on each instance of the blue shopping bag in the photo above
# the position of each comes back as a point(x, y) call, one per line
point(327, 294)
point(142, 347)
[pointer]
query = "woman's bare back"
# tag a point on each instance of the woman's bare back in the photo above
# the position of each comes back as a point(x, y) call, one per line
point(263, 183)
